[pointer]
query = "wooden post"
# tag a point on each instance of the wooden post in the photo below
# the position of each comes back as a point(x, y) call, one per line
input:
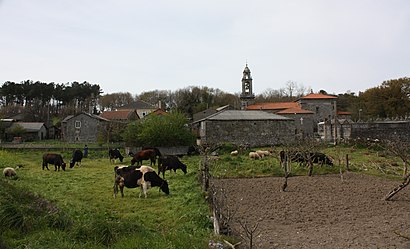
point(347, 162)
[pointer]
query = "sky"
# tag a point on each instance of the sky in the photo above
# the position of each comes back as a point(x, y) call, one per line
point(138, 46)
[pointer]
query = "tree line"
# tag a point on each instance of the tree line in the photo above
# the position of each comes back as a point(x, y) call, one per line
point(44, 101)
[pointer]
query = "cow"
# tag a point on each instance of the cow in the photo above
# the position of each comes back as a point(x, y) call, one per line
point(146, 154)
point(76, 159)
point(321, 158)
point(170, 162)
point(53, 158)
point(114, 154)
point(134, 176)
point(304, 157)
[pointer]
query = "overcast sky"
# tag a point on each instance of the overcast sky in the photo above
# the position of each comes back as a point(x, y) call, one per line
point(136, 46)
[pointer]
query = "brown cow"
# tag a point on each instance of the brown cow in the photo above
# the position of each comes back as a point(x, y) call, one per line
point(53, 158)
point(147, 154)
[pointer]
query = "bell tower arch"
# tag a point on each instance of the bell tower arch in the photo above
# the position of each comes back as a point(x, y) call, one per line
point(247, 95)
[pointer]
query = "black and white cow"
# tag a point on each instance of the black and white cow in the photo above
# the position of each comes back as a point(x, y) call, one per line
point(170, 162)
point(114, 154)
point(77, 157)
point(53, 158)
point(134, 176)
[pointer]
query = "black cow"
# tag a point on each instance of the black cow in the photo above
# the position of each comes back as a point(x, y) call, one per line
point(134, 176)
point(293, 156)
point(170, 163)
point(52, 158)
point(114, 154)
point(77, 157)
point(304, 157)
point(321, 158)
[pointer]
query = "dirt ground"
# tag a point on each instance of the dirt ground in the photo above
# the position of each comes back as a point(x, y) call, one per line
point(320, 211)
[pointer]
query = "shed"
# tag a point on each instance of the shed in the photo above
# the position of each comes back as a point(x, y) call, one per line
point(33, 131)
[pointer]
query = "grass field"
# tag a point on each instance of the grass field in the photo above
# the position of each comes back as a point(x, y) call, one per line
point(76, 208)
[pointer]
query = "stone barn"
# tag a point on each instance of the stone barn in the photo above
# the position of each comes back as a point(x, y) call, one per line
point(251, 128)
point(83, 127)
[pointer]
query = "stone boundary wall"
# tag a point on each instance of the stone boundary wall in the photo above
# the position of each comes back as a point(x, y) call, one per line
point(381, 130)
point(253, 133)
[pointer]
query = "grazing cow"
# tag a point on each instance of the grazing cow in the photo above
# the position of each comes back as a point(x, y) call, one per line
point(303, 157)
point(77, 157)
point(321, 158)
point(146, 154)
point(53, 158)
point(114, 154)
point(170, 163)
point(134, 176)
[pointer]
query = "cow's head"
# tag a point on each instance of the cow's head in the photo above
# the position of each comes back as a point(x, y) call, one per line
point(164, 187)
point(72, 163)
point(63, 165)
point(183, 168)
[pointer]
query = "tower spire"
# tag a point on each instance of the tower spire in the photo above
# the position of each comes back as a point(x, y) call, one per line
point(247, 95)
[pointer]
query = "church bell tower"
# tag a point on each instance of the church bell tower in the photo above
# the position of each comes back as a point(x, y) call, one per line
point(247, 95)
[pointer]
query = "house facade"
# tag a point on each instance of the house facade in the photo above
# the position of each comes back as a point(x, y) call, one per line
point(83, 127)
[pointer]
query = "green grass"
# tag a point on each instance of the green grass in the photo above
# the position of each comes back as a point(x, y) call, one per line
point(76, 208)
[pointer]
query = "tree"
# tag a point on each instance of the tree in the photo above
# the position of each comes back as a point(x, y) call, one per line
point(154, 130)
point(16, 130)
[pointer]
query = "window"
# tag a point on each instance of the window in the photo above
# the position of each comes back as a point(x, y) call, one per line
point(317, 109)
point(77, 124)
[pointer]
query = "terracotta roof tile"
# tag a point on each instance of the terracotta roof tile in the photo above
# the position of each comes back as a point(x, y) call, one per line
point(295, 110)
point(116, 115)
point(318, 96)
point(343, 113)
point(273, 106)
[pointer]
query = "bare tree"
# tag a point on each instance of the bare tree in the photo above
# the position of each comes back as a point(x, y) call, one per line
point(250, 232)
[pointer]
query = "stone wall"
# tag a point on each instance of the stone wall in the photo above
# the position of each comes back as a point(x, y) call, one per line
point(381, 130)
point(254, 133)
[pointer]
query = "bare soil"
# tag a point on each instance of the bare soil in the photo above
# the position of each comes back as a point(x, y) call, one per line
point(319, 211)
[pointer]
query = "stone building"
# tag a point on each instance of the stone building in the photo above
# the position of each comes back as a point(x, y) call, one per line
point(250, 128)
point(322, 105)
point(83, 127)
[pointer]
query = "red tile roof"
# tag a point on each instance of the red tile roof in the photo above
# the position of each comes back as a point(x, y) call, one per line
point(116, 115)
point(273, 106)
point(295, 110)
point(318, 96)
point(159, 112)
point(343, 113)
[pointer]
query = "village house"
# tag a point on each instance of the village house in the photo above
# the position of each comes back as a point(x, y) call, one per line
point(83, 127)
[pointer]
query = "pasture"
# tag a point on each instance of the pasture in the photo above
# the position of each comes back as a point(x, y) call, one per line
point(76, 209)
